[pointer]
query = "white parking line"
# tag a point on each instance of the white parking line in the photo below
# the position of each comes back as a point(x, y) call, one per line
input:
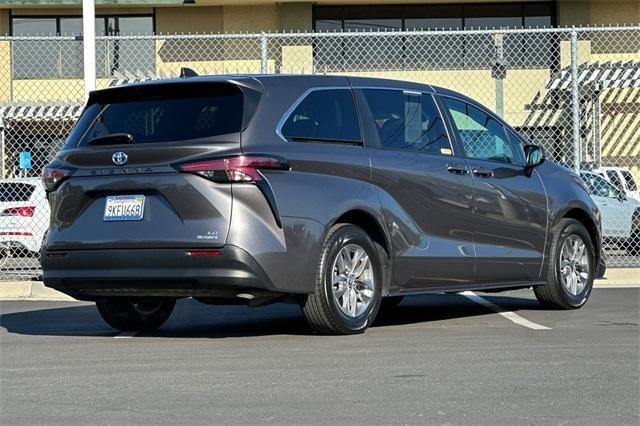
point(511, 316)
point(125, 335)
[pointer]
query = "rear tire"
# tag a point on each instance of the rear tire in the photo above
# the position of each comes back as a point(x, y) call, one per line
point(348, 284)
point(572, 267)
point(135, 314)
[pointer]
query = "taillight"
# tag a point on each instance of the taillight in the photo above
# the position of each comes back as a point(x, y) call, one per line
point(52, 176)
point(243, 168)
point(26, 211)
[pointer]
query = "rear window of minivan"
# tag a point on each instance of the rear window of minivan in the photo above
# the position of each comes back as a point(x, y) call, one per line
point(156, 115)
point(10, 192)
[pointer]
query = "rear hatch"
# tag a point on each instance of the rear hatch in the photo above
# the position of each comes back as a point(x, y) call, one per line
point(116, 185)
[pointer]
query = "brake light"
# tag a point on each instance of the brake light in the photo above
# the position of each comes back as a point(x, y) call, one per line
point(16, 234)
point(52, 176)
point(243, 168)
point(204, 253)
point(26, 211)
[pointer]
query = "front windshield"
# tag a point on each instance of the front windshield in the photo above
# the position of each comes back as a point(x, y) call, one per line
point(599, 187)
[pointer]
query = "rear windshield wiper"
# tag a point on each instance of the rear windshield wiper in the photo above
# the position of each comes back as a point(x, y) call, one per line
point(112, 139)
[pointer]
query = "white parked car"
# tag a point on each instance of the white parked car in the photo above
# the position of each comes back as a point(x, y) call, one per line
point(620, 213)
point(621, 178)
point(24, 216)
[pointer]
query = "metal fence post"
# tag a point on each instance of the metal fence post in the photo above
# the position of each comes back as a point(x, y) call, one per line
point(575, 101)
point(2, 175)
point(596, 125)
point(264, 53)
point(89, 45)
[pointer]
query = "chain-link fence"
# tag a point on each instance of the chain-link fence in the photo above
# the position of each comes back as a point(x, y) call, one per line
point(574, 91)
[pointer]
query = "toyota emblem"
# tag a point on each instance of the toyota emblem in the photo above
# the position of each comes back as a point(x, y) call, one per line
point(119, 158)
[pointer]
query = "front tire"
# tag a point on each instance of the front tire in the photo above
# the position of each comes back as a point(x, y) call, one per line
point(348, 284)
point(135, 314)
point(572, 268)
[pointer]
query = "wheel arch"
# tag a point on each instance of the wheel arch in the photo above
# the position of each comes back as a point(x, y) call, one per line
point(369, 224)
point(587, 221)
point(376, 231)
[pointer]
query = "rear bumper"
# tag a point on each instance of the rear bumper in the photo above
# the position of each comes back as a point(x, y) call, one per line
point(92, 274)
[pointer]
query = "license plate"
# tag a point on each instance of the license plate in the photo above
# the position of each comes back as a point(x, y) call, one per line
point(123, 207)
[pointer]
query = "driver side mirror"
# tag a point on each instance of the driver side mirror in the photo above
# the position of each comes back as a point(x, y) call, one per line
point(621, 196)
point(534, 155)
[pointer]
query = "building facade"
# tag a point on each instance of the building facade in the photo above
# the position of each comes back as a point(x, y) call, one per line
point(41, 80)
point(18, 17)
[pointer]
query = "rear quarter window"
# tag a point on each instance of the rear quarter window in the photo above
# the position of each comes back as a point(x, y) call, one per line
point(324, 115)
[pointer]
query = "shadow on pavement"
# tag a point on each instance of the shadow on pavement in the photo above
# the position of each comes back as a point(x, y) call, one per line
point(195, 320)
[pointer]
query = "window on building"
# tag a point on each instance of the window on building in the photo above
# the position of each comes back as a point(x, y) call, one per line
point(435, 51)
point(324, 115)
point(34, 59)
point(407, 121)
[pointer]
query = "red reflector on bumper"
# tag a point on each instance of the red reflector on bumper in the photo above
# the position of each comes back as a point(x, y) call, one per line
point(17, 233)
point(56, 254)
point(204, 253)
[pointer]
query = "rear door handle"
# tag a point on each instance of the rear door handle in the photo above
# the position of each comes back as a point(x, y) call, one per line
point(481, 171)
point(457, 169)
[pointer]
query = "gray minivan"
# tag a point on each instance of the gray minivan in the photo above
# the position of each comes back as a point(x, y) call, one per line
point(341, 194)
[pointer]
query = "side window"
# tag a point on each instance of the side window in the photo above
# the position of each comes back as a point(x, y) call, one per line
point(614, 178)
point(324, 115)
point(407, 121)
point(631, 183)
point(482, 136)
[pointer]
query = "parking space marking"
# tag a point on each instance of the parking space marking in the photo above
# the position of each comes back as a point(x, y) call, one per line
point(125, 335)
point(511, 316)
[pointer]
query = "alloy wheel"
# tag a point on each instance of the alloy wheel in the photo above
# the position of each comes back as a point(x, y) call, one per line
point(574, 265)
point(352, 280)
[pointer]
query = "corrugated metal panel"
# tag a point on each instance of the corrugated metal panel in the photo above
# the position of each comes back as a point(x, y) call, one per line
point(22, 112)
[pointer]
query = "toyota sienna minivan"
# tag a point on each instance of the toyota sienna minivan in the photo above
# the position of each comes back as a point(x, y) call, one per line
point(342, 194)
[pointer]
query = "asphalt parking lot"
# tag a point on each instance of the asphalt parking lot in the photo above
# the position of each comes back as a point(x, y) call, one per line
point(434, 359)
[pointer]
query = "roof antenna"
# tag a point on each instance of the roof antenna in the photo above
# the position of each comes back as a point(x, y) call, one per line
point(187, 72)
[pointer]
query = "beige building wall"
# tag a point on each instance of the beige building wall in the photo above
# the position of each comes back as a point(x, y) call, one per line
point(250, 18)
point(5, 71)
point(172, 20)
point(605, 12)
point(296, 17)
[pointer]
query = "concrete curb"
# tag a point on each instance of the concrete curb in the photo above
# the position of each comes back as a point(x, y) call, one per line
point(35, 290)
point(29, 290)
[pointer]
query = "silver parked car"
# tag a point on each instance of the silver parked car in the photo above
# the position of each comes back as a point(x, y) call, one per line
point(620, 213)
